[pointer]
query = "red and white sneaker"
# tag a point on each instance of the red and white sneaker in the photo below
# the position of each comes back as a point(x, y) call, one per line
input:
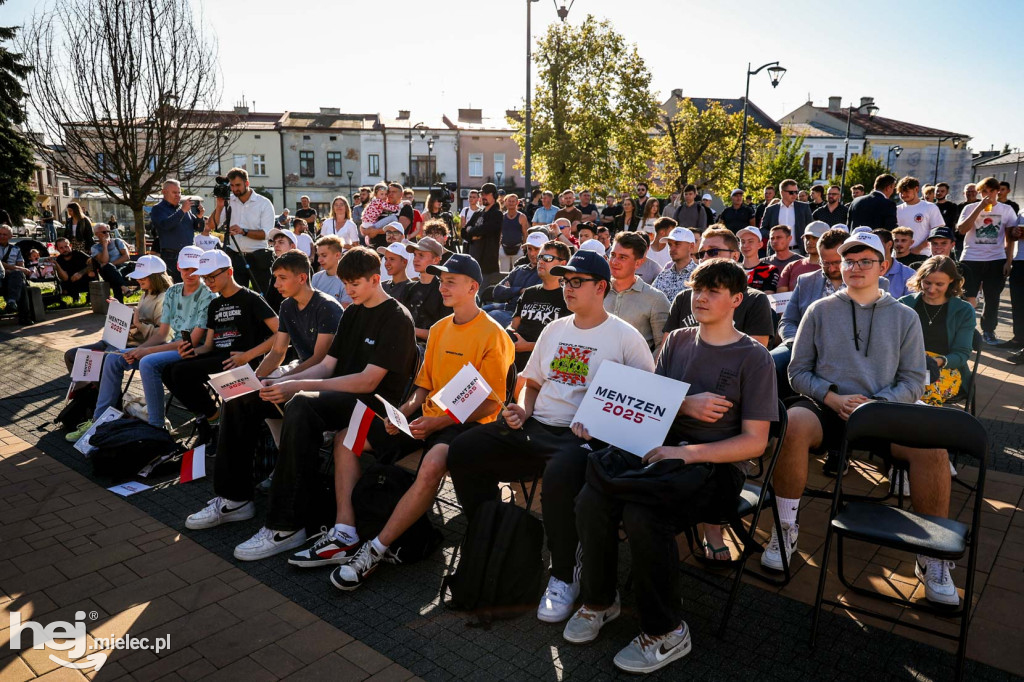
point(328, 549)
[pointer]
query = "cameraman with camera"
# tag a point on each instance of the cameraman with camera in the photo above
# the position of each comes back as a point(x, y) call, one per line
point(247, 218)
point(483, 234)
point(174, 224)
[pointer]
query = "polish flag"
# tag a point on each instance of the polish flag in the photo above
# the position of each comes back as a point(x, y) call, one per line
point(358, 426)
point(193, 464)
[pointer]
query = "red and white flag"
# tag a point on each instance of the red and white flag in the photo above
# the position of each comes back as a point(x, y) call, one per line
point(193, 464)
point(358, 426)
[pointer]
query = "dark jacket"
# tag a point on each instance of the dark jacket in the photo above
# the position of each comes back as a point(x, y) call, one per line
point(621, 226)
point(175, 228)
point(959, 328)
point(874, 211)
point(831, 218)
point(801, 216)
point(486, 225)
point(85, 232)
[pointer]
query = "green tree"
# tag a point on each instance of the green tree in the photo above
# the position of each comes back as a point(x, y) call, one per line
point(862, 170)
point(592, 109)
point(773, 165)
point(703, 147)
point(18, 162)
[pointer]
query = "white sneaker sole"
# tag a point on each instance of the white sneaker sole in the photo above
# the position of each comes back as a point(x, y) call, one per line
point(612, 614)
point(951, 600)
point(350, 588)
point(316, 563)
point(256, 555)
point(243, 514)
point(682, 650)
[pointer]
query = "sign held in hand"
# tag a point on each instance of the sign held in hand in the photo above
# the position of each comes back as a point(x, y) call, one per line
point(461, 396)
point(395, 416)
point(780, 301)
point(88, 365)
point(630, 408)
point(235, 382)
point(118, 324)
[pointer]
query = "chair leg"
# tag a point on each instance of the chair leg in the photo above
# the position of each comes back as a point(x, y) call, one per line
point(822, 575)
point(737, 583)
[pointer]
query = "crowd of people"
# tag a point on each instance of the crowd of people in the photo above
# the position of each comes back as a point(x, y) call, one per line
point(382, 301)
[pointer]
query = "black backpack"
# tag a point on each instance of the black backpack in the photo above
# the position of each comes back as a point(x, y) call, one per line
point(124, 446)
point(80, 406)
point(500, 570)
point(374, 498)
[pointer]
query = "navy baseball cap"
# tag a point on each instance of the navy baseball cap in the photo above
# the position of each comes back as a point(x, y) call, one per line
point(585, 262)
point(459, 264)
point(941, 233)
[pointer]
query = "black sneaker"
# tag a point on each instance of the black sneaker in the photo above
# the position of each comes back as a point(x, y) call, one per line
point(1012, 344)
point(1016, 358)
point(831, 465)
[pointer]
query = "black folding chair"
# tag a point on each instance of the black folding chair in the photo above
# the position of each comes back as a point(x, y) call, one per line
point(915, 426)
point(752, 501)
point(968, 388)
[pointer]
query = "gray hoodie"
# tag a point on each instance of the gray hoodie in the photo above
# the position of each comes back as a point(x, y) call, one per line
point(875, 350)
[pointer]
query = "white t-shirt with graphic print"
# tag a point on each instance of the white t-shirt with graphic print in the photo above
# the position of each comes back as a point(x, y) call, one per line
point(986, 239)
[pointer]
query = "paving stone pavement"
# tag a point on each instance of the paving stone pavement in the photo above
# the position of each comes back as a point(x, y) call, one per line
point(397, 615)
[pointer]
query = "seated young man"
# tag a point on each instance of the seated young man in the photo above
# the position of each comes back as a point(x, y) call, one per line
point(903, 242)
point(185, 310)
point(676, 274)
point(506, 292)
point(240, 329)
point(631, 298)
point(371, 352)
point(753, 316)
point(424, 299)
point(539, 305)
point(470, 336)
point(723, 421)
point(895, 272)
point(761, 274)
point(72, 269)
point(12, 270)
point(853, 347)
point(395, 259)
point(539, 436)
point(107, 255)
point(329, 250)
point(810, 263)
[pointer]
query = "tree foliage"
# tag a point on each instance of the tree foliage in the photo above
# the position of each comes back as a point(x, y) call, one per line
point(703, 147)
point(17, 161)
point(862, 170)
point(770, 166)
point(592, 109)
point(126, 104)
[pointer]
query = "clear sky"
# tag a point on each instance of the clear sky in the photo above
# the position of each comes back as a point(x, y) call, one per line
point(939, 64)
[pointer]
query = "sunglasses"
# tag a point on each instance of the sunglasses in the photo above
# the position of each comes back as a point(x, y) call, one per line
point(547, 258)
point(712, 253)
point(791, 191)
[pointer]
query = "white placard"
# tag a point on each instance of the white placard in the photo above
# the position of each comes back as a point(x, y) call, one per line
point(119, 322)
point(630, 408)
point(88, 365)
point(235, 382)
point(396, 416)
point(109, 415)
point(129, 488)
point(780, 301)
point(463, 394)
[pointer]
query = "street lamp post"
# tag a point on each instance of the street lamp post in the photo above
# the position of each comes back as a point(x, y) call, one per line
point(430, 151)
point(872, 110)
point(563, 12)
point(1016, 169)
point(776, 72)
point(895, 149)
point(938, 151)
point(349, 185)
point(412, 128)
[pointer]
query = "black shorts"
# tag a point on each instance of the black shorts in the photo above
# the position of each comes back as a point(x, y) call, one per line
point(833, 427)
point(978, 271)
point(393, 448)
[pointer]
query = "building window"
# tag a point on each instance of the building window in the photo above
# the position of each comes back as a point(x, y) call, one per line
point(259, 164)
point(51, 179)
point(840, 163)
point(423, 170)
point(476, 165)
point(241, 161)
point(101, 161)
point(306, 167)
point(499, 166)
point(334, 163)
point(333, 138)
point(373, 165)
point(817, 166)
point(213, 168)
point(65, 189)
point(152, 164)
point(305, 137)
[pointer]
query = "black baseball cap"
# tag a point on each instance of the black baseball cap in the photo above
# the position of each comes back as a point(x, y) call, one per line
point(941, 233)
point(585, 263)
point(459, 264)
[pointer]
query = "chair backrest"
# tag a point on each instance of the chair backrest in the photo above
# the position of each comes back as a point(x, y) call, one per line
point(917, 426)
point(510, 383)
point(777, 430)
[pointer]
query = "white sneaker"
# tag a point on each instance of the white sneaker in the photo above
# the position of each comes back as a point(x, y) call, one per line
point(645, 654)
point(267, 543)
point(559, 601)
point(771, 558)
point(904, 481)
point(586, 624)
point(218, 511)
point(938, 583)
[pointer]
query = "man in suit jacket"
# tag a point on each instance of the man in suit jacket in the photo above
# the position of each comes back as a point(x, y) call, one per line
point(795, 214)
point(875, 210)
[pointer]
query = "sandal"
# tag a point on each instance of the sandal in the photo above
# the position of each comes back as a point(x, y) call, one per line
point(716, 556)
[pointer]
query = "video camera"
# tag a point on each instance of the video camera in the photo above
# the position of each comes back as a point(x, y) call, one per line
point(221, 188)
point(439, 192)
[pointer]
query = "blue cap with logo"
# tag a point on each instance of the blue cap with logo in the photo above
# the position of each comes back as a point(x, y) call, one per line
point(585, 262)
point(459, 264)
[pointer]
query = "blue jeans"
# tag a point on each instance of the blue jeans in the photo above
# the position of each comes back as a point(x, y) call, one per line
point(781, 356)
point(150, 369)
point(499, 313)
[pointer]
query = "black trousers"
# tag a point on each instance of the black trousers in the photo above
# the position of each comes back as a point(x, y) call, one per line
point(988, 275)
point(186, 380)
point(652, 534)
point(255, 264)
point(235, 464)
point(1017, 298)
point(479, 459)
point(170, 257)
point(112, 276)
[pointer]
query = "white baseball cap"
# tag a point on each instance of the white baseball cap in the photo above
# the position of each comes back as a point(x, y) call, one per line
point(189, 257)
point(148, 265)
point(862, 228)
point(593, 245)
point(841, 226)
point(396, 248)
point(867, 239)
point(274, 231)
point(212, 261)
point(706, 197)
point(679, 234)
point(750, 229)
point(537, 239)
point(397, 226)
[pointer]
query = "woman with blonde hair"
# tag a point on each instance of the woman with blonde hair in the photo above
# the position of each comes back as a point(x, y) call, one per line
point(339, 222)
point(948, 325)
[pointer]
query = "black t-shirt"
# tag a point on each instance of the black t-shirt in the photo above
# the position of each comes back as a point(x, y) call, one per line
point(736, 218)
point(538, 307)
point(933, 324)
point(309, 215)
point(238, 321)
point(912, 258)
point(950, 213)
point(397, 290)
point(425, 303)
point(382, 336)
point(589, 213)
point(763, 277)
point(611, 211)
point(753, 316)
point(320, 316)
point(76, 262)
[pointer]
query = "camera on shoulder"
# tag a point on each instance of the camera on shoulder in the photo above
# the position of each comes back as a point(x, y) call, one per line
point(221, 188)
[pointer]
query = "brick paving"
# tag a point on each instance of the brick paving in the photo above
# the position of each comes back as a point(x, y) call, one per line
point(71, 545)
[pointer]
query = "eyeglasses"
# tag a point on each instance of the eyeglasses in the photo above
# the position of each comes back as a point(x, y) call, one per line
point(864, 264)
point(214, 275)
point(102, 231)
point(547, 258)
point(574, 282)
point(831, 263)
point(712, 253)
